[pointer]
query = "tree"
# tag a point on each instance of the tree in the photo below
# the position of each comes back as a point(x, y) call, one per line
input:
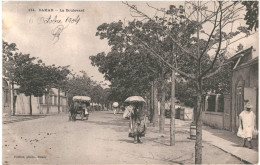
point(60, 79)
point(8, 65)
point(219, 15)
point(84, 86)
point(54, 77)
point(33, 78)
point(13, 62)
point(30, 81)
point(133, 60)
point(125, 70)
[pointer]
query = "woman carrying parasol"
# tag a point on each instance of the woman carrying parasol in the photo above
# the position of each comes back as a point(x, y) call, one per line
point(136, 113)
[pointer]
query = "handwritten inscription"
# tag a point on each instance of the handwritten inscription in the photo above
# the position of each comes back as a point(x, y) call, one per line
point(56, 32)
point(73, 20)
point(60, 23)
point(49, 20)
point(55, 20)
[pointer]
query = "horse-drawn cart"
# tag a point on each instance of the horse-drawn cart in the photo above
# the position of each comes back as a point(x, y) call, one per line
point(80, 107)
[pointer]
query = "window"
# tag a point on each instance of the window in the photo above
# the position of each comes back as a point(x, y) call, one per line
point(211, 103)
point(221, 103)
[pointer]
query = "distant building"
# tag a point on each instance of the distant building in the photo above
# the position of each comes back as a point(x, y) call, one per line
point(39, 104)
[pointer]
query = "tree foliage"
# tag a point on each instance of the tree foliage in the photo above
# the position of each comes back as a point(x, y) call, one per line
point(127, 66)
point(32, 77)
point(251, 16)
point(84, 86)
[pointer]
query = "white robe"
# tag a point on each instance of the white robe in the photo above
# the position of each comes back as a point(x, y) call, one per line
point(248, 121)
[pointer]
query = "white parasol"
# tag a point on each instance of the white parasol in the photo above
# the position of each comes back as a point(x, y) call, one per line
point(115, 104)
point(134, 99)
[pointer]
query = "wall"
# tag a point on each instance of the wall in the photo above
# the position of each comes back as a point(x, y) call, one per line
point(227, 110)
point(54, 108)
point(23, 105)
point(248, 77)
point(214, 119)
point(210, 116)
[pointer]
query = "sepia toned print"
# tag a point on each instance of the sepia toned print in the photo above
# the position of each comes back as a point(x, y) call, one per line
point(98, 82)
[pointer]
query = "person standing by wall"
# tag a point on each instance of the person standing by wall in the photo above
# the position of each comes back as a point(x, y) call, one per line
point(247, 125)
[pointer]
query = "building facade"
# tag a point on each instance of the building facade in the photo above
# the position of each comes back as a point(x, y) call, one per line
point(39, 104)
point(244, 87)
point(222, 111)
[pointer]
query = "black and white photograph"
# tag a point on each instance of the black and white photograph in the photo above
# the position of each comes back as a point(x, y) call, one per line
point(130, 82)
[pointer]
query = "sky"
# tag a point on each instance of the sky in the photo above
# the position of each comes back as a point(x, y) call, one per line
point(29, 28)
point(77, 42)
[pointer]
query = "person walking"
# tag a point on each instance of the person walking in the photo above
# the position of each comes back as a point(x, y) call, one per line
point(115, 107)
point(247, 125)
point(137, 120)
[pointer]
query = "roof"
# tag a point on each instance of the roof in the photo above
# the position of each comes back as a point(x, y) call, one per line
point(241, 53)
point(248, 63)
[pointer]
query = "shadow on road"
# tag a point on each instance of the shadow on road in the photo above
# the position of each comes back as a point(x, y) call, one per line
point(126, 140)
point(19, 118)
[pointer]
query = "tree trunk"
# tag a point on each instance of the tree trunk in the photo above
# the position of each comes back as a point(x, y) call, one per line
point(47, 101)
point(67, 102)
point(30, 105)
point(162, 108)
point(58, 100)
point(198, 143)
point(14, 99)
point(152, 100)
point(172, 122)
point(148, 105)
point(155, 108)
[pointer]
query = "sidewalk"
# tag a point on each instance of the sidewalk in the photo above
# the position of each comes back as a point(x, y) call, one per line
point(229, 142)
point(224, 140)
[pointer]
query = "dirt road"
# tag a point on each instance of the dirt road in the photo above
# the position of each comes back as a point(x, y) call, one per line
point(100, 140)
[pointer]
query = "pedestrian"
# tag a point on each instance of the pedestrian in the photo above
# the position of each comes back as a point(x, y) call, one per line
point(137, 123)
point(247, 125)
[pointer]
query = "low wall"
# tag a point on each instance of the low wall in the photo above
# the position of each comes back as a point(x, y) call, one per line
point(213, 119)
point(23, 105)
point(53, 109)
